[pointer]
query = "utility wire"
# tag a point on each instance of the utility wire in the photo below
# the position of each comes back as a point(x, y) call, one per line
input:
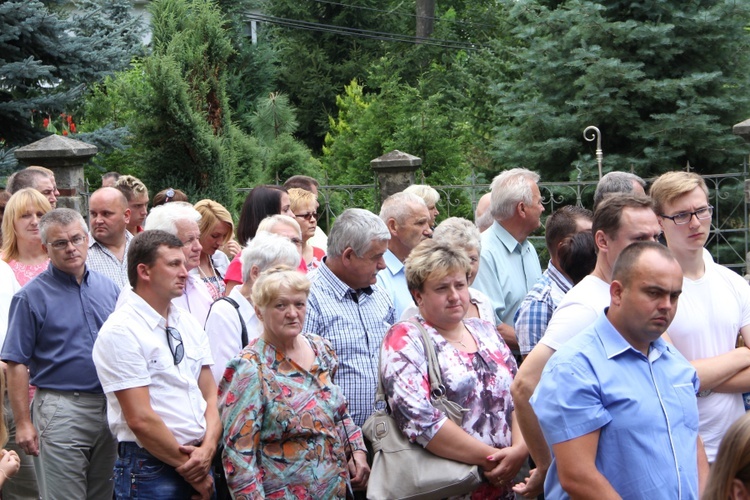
point(407, 14)
point(362, 33)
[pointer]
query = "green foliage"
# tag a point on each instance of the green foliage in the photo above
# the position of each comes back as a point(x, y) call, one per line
point(184, 122)
point(660, 79)
point(48, 57)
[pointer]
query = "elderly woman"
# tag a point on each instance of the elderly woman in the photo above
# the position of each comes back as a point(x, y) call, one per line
point(22, 244)
point(232, 315)
point(304, 204)
point(430, 196)
point(216, 229)
point(461, 233)
point(287, 432)
point(476, 366)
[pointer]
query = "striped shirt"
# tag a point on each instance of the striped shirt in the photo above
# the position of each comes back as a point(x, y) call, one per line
point(356, 329)
point(101, 260)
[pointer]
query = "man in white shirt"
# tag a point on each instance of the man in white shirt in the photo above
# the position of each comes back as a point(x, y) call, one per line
point(714, 306)
point(153, 361)
point(619, 221)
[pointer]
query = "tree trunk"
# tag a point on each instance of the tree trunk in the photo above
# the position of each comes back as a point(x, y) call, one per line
point(425, 19)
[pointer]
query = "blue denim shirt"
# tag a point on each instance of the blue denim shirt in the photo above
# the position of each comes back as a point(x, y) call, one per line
point(53, 324)
point(644, 407)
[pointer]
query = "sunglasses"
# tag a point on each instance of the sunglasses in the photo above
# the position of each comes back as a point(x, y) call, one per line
point(174, 339)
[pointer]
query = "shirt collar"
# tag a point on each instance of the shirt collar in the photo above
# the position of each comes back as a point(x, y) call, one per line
point(152, 318)
point(392, 263)
point(67, 278)
point(340, 289)
point(508, 241)
point(558, 278)
point(615, 344)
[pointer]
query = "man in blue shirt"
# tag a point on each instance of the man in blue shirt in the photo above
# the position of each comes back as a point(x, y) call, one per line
point(348, 308)
point(616, 402)
point(408, 220)
point(509, 265)
point(53, 323)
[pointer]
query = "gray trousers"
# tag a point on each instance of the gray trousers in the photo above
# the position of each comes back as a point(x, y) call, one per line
point(23, 486)
point(77, 451)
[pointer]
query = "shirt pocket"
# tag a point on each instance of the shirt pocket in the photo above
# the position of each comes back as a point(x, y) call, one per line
point(160, 362)
point(689, 403)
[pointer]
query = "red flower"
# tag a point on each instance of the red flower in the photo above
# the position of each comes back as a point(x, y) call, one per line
point(73, 127)
point(45, 123)
point(65, 132)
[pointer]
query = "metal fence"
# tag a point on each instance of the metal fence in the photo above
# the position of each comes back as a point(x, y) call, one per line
point(728, 242)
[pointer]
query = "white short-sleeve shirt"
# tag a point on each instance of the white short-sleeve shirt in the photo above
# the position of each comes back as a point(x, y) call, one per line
point(132, 351)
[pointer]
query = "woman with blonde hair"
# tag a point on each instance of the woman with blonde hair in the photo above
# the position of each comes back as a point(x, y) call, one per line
point(22, 244)
point(304, 205)
point(475, 364)
point(730, 473)
point(287, 430)
point(216, 227)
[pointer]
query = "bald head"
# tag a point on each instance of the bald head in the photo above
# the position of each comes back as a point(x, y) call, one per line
point(108, 216)
point(482, 216)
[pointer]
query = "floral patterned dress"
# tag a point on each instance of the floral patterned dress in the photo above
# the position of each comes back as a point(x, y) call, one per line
point(26, 272)
point(285, 427)
point(477, 381)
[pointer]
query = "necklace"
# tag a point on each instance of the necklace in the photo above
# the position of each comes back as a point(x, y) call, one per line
point(460, 341)
point(213, 281)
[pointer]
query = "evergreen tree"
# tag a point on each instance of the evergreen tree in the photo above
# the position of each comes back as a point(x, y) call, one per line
point(47, 57)
point(661, 80)
point(184, 125)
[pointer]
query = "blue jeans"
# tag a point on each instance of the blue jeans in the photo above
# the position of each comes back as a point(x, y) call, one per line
point(140, 475)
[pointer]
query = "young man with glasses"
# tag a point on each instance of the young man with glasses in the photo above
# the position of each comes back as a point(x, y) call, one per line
point(714, 306)
point(53, 323)
point(153, 360)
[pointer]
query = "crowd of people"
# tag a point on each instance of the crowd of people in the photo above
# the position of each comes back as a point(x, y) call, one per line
point(167, 352)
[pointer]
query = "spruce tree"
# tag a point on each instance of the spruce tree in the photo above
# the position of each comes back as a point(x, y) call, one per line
point(48, 57)
point(663, 80)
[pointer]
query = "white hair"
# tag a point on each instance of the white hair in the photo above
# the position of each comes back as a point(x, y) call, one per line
point(457, 231)
point(357, 229)
point(509, 189)
point(267, 250)
point(165, 217)
point(398, 206)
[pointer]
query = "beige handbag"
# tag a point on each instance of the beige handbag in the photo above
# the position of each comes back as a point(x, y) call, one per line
point(405, 470)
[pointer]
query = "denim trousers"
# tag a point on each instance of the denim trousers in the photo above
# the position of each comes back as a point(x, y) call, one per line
point(140, 475)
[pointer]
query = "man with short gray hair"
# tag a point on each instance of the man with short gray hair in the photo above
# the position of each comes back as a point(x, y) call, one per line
point(408, 220)
point(348, 307)
point(509, 265)
point(53, 323)
point(618, 182)
point(40, 178)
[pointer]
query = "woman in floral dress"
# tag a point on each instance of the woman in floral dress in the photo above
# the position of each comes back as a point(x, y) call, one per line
point(287, 432)
point(476, 366)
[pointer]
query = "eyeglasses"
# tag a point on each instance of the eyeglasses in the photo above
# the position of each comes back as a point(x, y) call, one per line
point(63, 244)
point(178, 351)
point(309, 216)
point(684, 217)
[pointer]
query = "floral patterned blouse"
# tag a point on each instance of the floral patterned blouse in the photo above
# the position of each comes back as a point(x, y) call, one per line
point(285, 427)
point(477, 381)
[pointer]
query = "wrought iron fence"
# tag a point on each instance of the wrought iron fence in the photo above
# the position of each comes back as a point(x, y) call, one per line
point(728, 242)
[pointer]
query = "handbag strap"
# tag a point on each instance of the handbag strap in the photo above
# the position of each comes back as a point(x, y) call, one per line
point(243, 326)
point(437, 389)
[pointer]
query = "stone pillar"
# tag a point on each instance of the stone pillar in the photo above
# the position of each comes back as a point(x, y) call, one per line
point(743, 130)
point(66, 158)
point(395, 172)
